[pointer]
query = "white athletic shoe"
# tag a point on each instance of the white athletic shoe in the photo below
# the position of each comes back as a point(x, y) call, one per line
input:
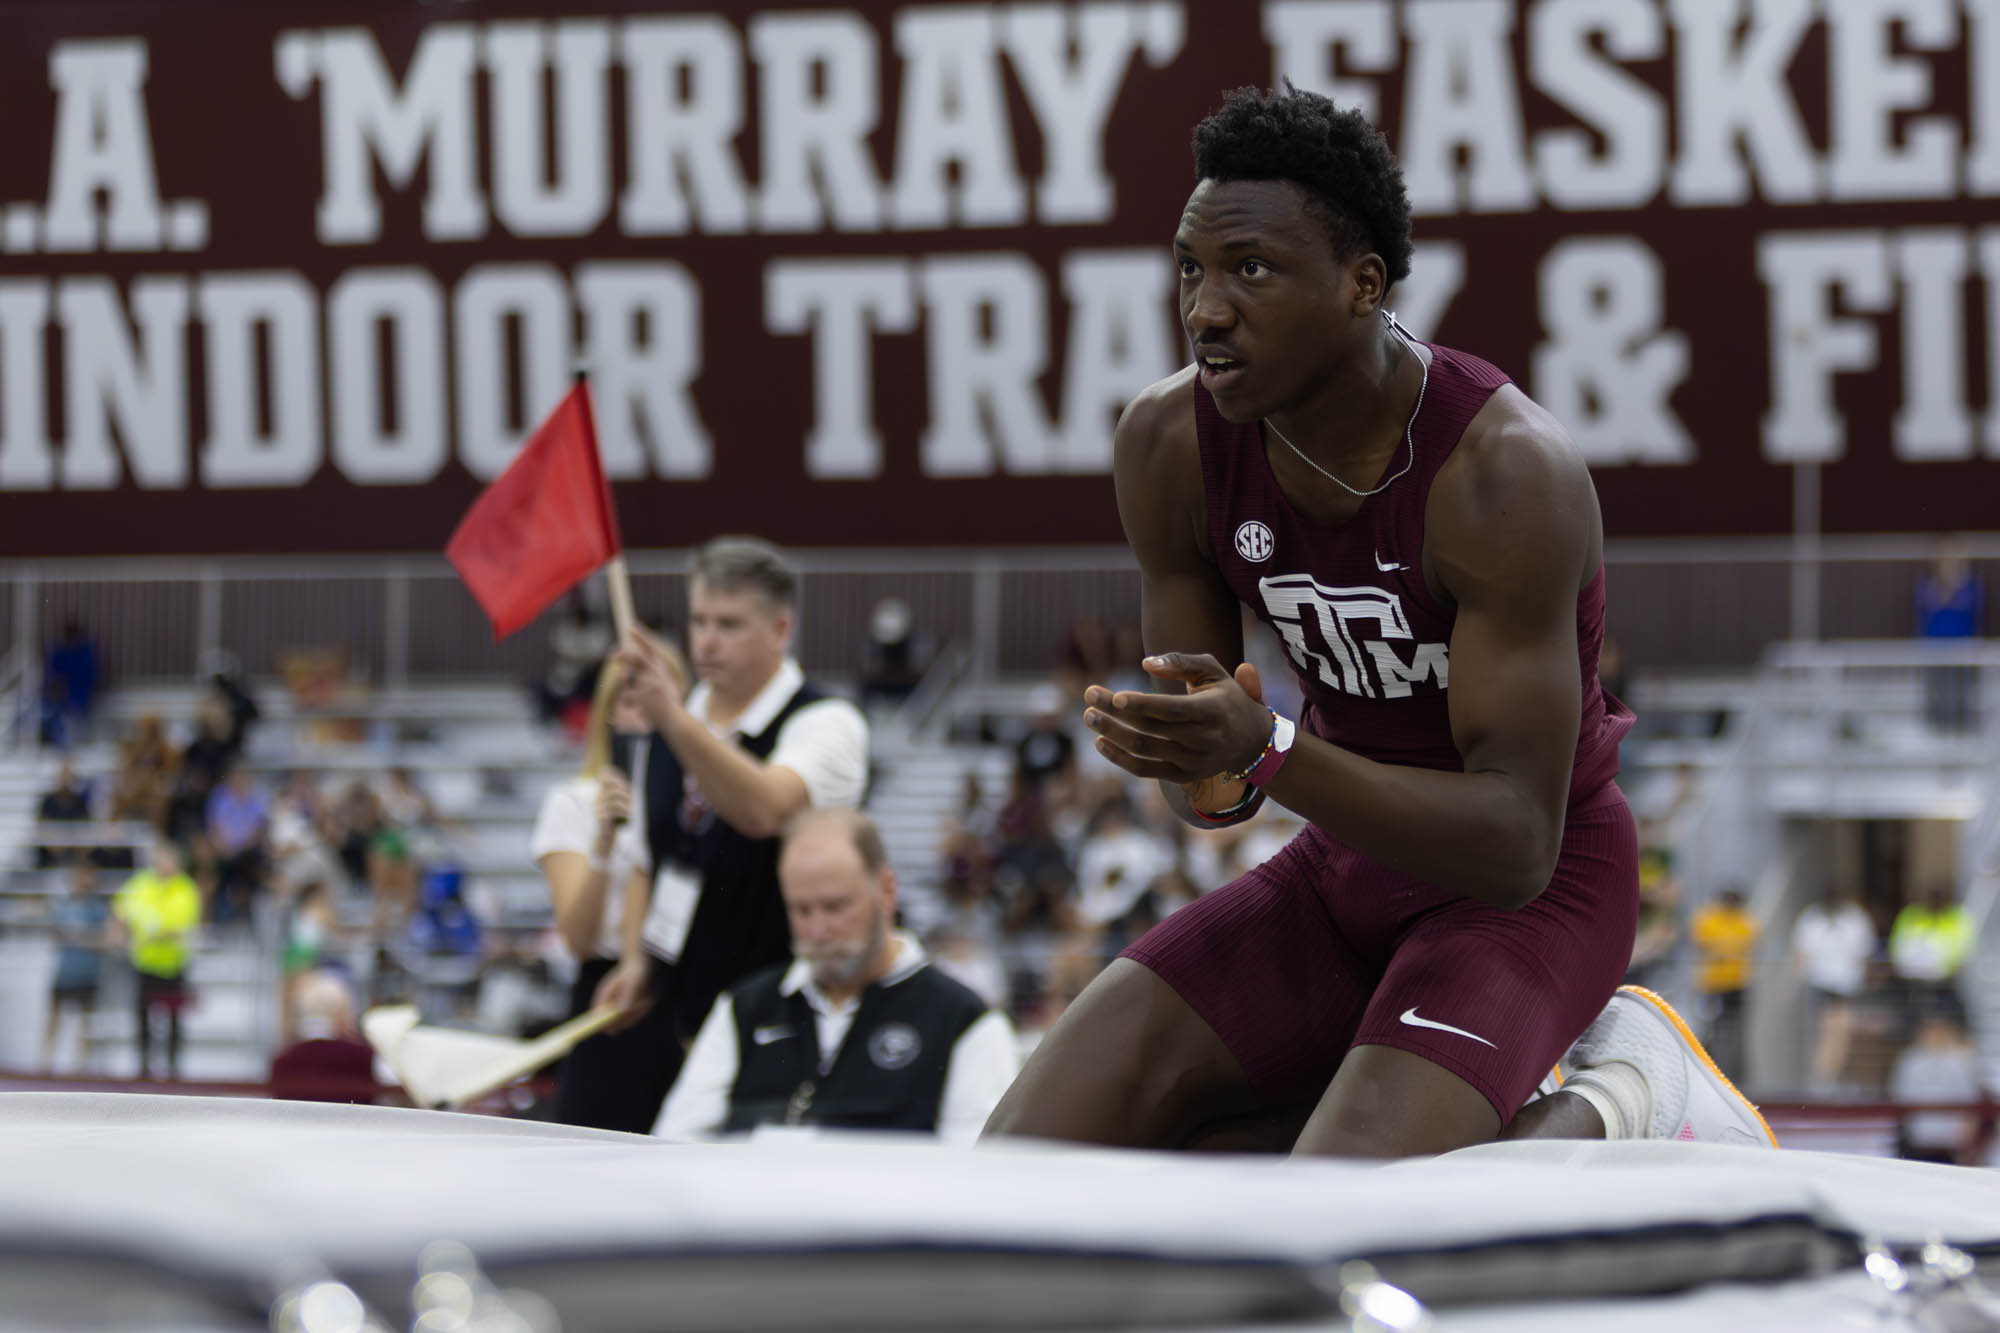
point(1692, 1099)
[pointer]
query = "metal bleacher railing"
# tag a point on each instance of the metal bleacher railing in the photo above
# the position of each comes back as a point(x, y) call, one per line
point(408, 619)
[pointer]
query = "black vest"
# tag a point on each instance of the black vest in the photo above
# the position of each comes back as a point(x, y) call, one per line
point(739, 923)
point(889, 1073)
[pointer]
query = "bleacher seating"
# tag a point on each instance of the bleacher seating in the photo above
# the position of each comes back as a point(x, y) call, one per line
point(472, 745)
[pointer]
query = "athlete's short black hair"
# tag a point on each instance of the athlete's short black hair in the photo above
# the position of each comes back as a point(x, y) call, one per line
point(1341, 161)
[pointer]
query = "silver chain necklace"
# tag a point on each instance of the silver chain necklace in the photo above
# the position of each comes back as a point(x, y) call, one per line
point(1409, 430)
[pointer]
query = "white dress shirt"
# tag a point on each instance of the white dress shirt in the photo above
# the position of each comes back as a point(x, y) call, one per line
point(984, 1060)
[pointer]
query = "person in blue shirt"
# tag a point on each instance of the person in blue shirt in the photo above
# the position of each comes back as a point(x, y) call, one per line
point(69, 686)
point(80, 924)
point(1950, 604)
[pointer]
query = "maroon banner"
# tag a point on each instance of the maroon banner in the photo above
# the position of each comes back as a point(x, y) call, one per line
point(302, 277)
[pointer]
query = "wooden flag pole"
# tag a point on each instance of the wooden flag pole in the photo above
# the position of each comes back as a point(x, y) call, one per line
point(616, 578)
point(551, 1045)
point(620, 583)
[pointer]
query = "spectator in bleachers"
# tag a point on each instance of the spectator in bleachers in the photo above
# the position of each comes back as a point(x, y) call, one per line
point(298, 850)
point(80, 923)
point(1938, 1067)
point(1658, 934)
point(147, 766)
point(897, 653)
point(1069, 964)
point(970, 961)
point(69, 687)
point(965, 884)
point(406, 830)
point(1928, 945)
point(1950, 605)
point(1611, 667)
point(313, 934)
point(1725, 941)
point(238, 820)
point(1088, 654)
point(580, 641)
point(1831, 945)
point(1197, 856)
point(157, 913)
point(1034, 889)
point(1032, 875)
point(218, 739)
point(1045, 756)
point(326, 1060)
point(68, 802)
point(1118, 862)
point(350, 826)
point(443, 944)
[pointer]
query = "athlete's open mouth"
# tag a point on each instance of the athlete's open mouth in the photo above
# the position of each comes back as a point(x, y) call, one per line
point(1218, 371)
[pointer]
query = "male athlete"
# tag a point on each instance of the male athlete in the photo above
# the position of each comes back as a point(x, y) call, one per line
point(1426, 541)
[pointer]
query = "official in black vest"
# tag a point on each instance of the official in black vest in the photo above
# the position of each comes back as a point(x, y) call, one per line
point(751, 746)
point(860, 1031)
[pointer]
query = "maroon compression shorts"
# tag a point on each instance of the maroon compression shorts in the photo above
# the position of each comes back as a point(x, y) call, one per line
point(1322, 949)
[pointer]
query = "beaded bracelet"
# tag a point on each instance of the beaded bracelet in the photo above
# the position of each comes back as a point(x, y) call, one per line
point(1243, 774)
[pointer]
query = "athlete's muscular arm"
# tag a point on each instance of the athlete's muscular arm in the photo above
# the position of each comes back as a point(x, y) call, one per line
point(1512, 530)
point(1184, 606)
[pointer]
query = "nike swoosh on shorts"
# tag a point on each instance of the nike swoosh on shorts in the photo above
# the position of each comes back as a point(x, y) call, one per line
point(1410, 1016)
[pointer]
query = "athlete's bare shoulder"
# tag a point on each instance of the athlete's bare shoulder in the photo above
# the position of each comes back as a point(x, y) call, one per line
point(1515, 471)
point(1160, 419)
point(1156, 462)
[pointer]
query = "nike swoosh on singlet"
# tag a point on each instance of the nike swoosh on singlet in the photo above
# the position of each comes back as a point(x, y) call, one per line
point(764, 1036)
point(1410, 1016)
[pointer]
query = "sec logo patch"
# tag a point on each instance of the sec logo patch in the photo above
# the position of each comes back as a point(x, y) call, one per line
point(1254, 542)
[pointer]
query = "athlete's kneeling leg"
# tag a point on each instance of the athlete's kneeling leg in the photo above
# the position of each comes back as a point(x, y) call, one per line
point(1389, 1103)
point(1129, 1064)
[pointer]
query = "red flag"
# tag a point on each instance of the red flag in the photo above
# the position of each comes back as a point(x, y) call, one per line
point(543, 526)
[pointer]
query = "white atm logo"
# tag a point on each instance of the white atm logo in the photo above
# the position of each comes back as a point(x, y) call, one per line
point(1354, 626)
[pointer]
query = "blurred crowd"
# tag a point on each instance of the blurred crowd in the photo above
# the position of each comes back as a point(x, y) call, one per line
point(350, 882)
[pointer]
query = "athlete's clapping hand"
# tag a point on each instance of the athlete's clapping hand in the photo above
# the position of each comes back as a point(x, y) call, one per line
point(1219, 725)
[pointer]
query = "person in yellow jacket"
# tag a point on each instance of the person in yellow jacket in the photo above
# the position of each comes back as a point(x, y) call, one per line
point(1928, 944)
point(1725, 940)
point(158, 911)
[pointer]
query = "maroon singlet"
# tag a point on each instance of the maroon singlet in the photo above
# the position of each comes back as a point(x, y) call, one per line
point(1369, 643)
